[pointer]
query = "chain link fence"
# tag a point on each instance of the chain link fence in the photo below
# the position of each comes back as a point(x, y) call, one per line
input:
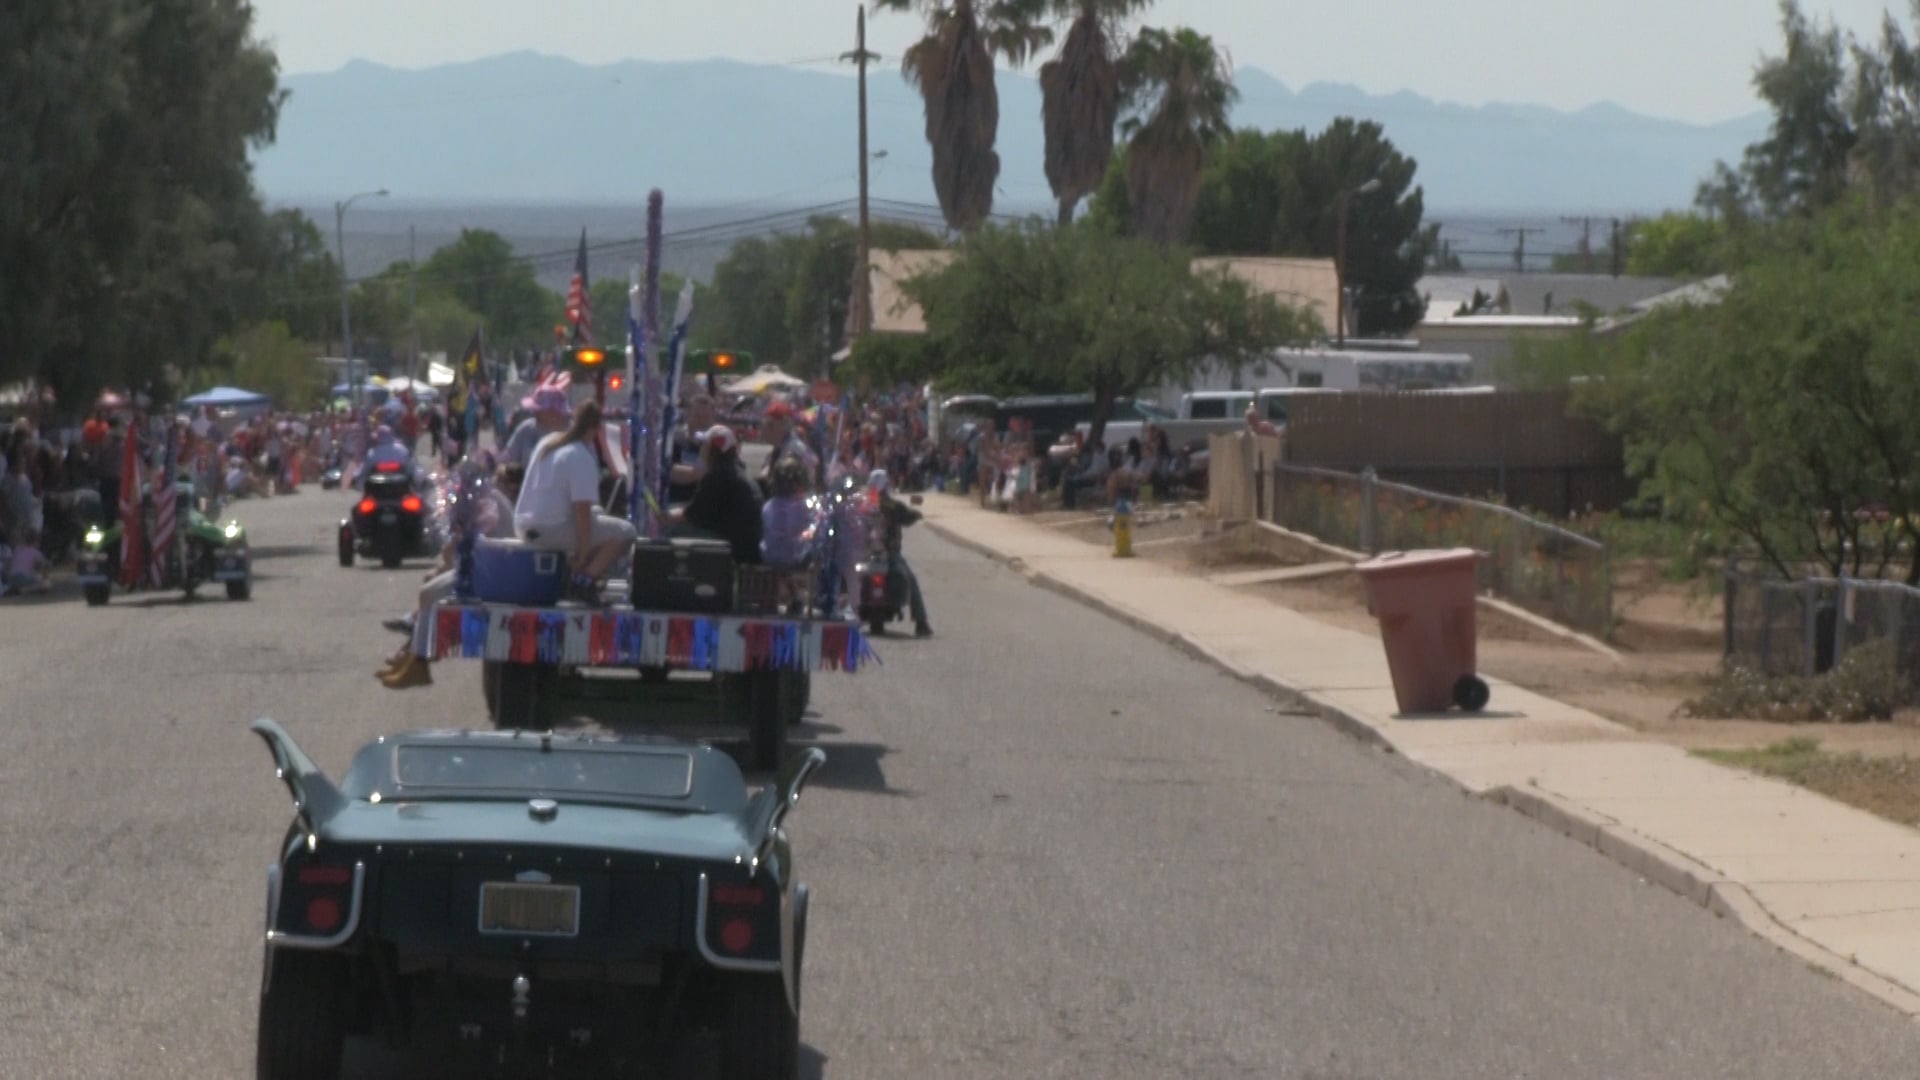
point(1537, 565)
point(1778, 626)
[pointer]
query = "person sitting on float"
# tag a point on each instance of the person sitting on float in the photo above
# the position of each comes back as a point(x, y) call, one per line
point(559, 505)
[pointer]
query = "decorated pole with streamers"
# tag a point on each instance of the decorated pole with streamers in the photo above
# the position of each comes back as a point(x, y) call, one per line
point(639, 510)
point(675, 363)
point(647, 465)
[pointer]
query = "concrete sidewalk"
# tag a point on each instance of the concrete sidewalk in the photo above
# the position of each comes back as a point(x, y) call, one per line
point(1836, 886)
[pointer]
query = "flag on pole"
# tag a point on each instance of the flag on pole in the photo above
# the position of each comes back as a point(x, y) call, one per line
point(132, 549)
point(466, 378)
point(580, 297)
point(165, 506)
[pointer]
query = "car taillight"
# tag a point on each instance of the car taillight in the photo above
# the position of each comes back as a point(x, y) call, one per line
point(736, 936)
point(738, 896)
point(324, 875)
point(411, 504)
point(323, 914)
point(741, 916)
point(325, 891)
point(367, 506)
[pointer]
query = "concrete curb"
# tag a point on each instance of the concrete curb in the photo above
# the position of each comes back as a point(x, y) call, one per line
point(1651, 860)
point(1701, 884)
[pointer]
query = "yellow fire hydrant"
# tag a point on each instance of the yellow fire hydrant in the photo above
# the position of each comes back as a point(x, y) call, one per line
point(1123, 529)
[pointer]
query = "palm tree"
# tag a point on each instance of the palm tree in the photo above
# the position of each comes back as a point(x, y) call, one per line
point(1177, 90)
point(953, 67)
point(1080, 97)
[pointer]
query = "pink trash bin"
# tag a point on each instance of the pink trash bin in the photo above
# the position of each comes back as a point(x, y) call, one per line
point(1425, 603)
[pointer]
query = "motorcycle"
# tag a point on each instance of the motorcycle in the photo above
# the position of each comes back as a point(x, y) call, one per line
point(203, 550)
point(336, 471)
point(883, 593)
point(389, 523)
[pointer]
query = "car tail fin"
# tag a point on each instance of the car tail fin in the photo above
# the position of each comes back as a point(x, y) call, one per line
point(315, 799)
point(770, 805)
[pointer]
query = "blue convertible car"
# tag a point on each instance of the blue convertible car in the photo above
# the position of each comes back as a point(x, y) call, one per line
point(514, 899)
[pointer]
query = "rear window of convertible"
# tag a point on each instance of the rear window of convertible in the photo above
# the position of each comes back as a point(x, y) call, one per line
point(646, 774)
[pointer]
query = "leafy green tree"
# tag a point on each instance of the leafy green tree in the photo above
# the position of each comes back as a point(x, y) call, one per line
point(1846, 118)
point(444, 324)
point(749, 297)
point(1677, 245)
point(1784, 412)
point(821, 290)
point(953, 67)
point(1079, 309)
point(267, 359)
point(481, 271)
point(1178, 89)
point(298, 280)
point(1279, 193)
point(124, 147)
point(1080, 97)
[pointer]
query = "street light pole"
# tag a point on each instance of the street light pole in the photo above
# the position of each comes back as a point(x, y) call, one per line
point(1340, 260)
point(346, 308)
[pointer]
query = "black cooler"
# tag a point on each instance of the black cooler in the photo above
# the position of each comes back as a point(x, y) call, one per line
point(683, 575)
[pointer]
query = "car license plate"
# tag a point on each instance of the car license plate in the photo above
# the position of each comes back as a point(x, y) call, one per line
point(517, 908)
point(388, 518)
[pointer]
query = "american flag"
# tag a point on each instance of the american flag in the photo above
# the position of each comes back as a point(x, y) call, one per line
point(580, 298)
point(165, 500)
point(131, 548)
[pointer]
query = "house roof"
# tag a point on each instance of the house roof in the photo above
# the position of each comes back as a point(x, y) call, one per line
point(1541, 294)
point(1309, 283)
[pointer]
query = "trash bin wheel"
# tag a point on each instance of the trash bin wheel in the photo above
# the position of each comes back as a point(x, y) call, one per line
point(1471, 693)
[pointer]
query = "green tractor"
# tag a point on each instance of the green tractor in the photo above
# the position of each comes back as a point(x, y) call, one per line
point(203, 550)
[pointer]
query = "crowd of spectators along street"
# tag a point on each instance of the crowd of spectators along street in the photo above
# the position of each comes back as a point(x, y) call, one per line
point(1010, 472)
point(55, 482)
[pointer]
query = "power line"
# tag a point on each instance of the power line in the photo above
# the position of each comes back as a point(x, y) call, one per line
point(896, 211)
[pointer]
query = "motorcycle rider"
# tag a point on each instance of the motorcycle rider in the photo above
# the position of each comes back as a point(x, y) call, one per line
point(895, 516)
point(386, 450)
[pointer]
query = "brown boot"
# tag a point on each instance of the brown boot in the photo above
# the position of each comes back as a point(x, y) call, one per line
point(394, 663)
point(417, 671)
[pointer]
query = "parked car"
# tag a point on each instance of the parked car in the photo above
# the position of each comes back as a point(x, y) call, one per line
point(495, 900)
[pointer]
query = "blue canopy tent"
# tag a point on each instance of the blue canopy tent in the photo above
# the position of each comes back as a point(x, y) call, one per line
point(227, 397)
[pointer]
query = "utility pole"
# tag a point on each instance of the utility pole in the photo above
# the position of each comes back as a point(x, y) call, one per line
point(1617, 253)
point(413, 305)
point(1586, 241)
point(1520, 251)
point(860, 318)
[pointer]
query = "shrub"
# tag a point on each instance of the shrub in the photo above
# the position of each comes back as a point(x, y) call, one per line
point(1865, 685)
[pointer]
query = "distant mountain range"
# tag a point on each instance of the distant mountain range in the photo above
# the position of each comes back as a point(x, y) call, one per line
point(530, 130)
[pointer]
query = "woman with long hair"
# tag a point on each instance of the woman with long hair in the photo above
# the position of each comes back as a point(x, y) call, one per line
point(559, 504)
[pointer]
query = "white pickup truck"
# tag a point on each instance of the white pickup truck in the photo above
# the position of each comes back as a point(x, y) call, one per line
point(1202, 413)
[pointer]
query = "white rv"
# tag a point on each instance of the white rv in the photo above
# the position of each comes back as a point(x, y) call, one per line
point(1335, 369)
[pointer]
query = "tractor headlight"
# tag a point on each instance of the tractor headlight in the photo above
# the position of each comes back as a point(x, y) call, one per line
point(95, 536)
point(233, 529)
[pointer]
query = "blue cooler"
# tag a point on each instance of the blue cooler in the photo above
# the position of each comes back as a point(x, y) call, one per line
point(512, 572)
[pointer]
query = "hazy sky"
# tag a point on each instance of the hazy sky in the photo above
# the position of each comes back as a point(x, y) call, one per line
point(1687, 59)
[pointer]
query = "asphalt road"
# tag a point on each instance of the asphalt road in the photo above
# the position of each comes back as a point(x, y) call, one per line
point(1044, 846)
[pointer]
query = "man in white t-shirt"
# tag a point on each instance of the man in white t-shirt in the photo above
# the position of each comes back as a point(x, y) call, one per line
point(559, 505)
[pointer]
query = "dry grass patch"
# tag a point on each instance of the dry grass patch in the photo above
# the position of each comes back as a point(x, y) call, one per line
point(1887, 786)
